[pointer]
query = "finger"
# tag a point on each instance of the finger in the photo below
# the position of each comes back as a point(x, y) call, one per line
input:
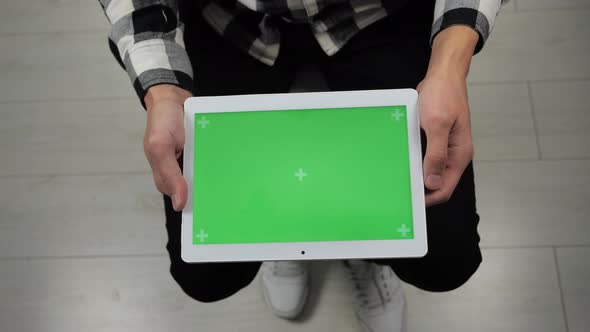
point(166, 171)
point(169, 180)
point(443, 194)
point(459, 158)
point(435, 160)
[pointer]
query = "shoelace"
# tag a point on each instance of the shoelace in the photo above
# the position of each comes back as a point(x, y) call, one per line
point(371, 284)
point(287, 268)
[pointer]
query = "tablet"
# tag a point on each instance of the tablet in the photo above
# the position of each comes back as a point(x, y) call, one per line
point(301, 176)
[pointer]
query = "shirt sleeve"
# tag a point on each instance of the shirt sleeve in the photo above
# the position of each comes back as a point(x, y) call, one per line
point(147, 39)
point(480, 15)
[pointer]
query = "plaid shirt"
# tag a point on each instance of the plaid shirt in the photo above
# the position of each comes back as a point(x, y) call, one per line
point(147, 35)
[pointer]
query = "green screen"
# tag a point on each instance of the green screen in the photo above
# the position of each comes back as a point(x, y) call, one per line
point(338, 174)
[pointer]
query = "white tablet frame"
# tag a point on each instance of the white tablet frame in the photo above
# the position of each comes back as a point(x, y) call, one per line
point(416, 247)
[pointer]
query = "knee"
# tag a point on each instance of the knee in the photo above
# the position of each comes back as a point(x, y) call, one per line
point(196, 290)
point(448, 281)
point(437, 274)
point(208, 283)
point(448, 277)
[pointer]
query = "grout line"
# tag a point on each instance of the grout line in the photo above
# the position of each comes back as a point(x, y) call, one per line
point(154, 255)
point(477, 161)
point(535, 10)
point(65, 257)
point(555, 80)
point(540, 246)
point(481, 83)
point(566, 159)
point(76, 174)
point(68, 100)
point(516, 9)
point(535, 125)
point(560, 284)
point(104, 31)
point(529, 160)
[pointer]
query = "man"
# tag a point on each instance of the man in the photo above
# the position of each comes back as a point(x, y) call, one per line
point(256, 46)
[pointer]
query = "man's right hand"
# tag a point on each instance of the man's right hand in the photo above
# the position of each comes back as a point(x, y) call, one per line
point(164, 140)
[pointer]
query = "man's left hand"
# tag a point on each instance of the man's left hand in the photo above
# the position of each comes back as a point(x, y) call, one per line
point(444, 116)
point(444, 112)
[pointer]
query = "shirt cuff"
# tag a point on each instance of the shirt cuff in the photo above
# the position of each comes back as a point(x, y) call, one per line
point(158, 61)
point(466, 17)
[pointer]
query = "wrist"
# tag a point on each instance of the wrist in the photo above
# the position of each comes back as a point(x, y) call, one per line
point(452, 50)
point(170, 92)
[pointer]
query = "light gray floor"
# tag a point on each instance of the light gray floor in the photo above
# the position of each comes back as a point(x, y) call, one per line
point(81, 226)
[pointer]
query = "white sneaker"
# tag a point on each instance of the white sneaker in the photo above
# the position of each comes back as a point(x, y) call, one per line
point(285, 285)
point(379, 301)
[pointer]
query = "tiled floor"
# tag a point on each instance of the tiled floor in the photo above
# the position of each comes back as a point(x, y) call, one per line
point(81, 226)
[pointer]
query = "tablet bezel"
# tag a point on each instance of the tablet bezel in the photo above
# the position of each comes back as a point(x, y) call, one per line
point(416, 247)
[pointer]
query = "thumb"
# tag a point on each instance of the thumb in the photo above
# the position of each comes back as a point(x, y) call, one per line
point(169, 180)
point(435, 161)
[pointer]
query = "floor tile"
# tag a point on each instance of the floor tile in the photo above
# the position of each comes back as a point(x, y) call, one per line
point(508, 7)
point(135, 294)
point(60, 65)
point(72, 137)
point(515, 290)
point(552, 4)
point(119, 294)
point(574, 267)
point(535, 45)
point(563, 118)
point(80, 215)
point(35, 16)
point(502, 122)
point(533, 203)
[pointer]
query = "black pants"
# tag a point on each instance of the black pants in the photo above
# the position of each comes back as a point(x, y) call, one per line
point(392, 53)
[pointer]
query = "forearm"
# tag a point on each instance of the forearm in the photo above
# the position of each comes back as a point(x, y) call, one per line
point(452, 50)
point(160, 92)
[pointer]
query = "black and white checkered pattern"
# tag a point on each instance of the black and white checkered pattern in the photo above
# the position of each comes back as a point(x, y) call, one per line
point(148, 34)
